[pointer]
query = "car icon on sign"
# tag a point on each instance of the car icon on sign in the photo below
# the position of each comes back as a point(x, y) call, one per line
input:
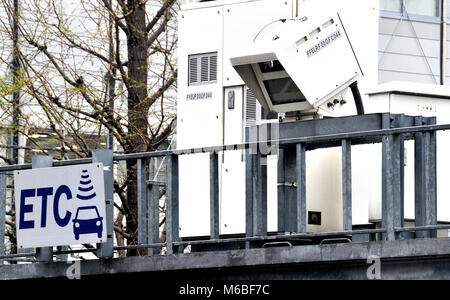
point(87, 220)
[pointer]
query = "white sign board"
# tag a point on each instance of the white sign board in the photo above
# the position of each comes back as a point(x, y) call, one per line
point(60, 206)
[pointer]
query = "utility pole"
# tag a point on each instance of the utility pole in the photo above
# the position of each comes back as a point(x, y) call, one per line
point(443, 50)
point(16, 94)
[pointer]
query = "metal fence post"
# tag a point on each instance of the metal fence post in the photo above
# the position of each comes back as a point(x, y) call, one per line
point(431, 216)
point(250, 161)
point(142, 200)
point(249, 170)
point(214, 195)
point(3, 181)
point(399, 122)
point(43, 254)
point(301, 188)
point(106, 249)
point(425, 179)
point(392, 190)
point(153, 217)
point(264, 134)
point(260, 193)
point(172, 206)
point(281, 193)
point(420, 188)
point(347, 184)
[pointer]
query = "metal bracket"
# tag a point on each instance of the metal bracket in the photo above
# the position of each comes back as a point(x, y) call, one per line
point(155, 183)
point(277, 244)
point(336, 240)
point(288, 184)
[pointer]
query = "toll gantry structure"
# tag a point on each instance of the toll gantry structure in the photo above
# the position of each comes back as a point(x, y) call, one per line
point(279, 172)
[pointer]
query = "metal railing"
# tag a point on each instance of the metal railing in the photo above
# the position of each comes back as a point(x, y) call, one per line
point(256, 192)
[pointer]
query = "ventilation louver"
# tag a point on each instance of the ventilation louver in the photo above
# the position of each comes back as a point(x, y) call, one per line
point(203, 68)
point(193, 70)
point(250, 108)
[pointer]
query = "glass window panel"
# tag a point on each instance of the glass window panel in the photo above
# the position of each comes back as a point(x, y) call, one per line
point(391, 5)
point(448, 9)
point(423, 7)
point(283, 91)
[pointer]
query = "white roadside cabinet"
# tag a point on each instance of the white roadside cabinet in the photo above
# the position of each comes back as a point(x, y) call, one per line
point(215, 107)
point(415, 100)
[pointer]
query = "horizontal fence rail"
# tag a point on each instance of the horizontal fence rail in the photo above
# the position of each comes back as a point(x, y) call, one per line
point(245, 146)
point(392, 226)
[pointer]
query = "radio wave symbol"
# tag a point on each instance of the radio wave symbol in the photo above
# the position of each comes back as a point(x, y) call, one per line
point(85, 188)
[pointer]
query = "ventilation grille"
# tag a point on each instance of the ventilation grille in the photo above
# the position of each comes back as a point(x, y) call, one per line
point(250, 108)
point(204, 65)
point(193, 70)
point(213, 68)
point(204, 69)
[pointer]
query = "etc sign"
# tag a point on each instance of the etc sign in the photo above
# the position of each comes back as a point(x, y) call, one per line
point(60, 206)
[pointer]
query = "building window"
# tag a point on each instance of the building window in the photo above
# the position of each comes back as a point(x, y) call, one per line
point(424, 8)
point(391, 5)
point(448, 10)
point(202, 68)
point(428, 8)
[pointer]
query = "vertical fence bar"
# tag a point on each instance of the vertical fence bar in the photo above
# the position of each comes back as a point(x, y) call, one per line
point(106, 249)
point(301, 188)
point(386, 124)
point(264, 134)
point(400, 122)
point(250, 162)
point(214, 195)
point(43, 254)
point(430, 178)
point(3, 181)
point(402, 172)
point(425, 178)
point(281, 218)
point(391, 190)
point(429, 214)
point(386, 192)
point(62, 257)
point(347, 184)
point(249, 177)
point(153, 218)
point(260, 191)
point(420, 189)
point(172, 206)
point(142, 200)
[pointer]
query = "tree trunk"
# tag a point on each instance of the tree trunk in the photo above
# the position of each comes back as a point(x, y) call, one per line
point(138, 107)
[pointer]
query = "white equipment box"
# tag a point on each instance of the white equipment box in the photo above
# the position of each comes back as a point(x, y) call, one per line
point(415, 100)
point(215, 107)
